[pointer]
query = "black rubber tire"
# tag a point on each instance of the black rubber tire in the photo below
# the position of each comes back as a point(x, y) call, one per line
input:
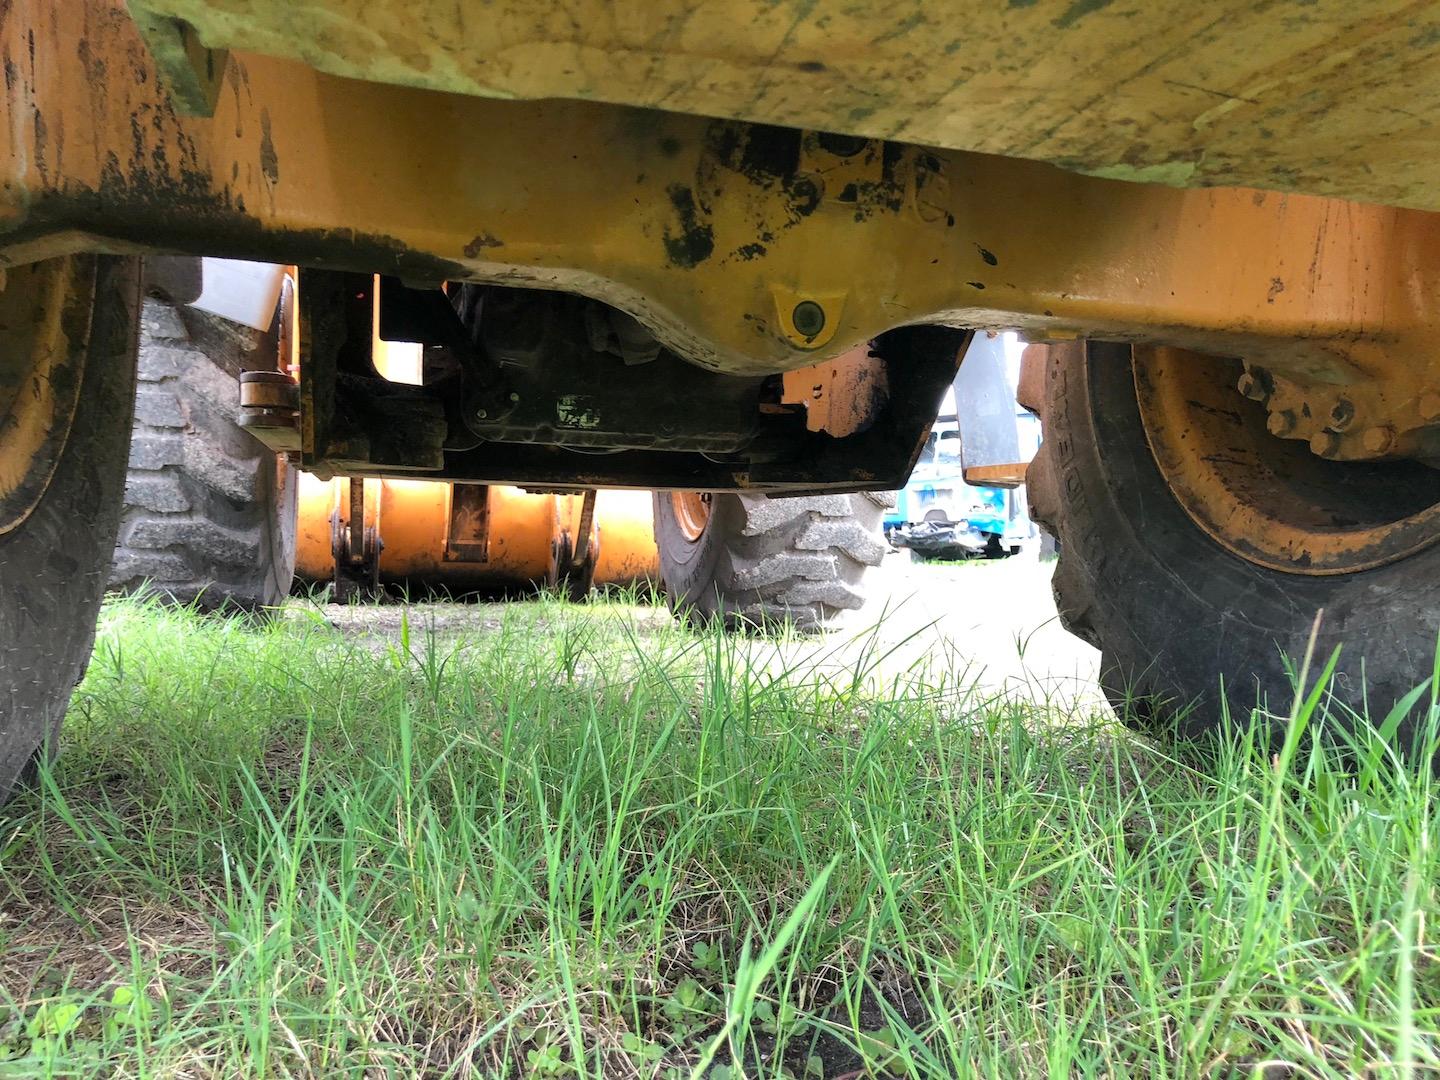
point(763, 561)
point(210, 513)
point(1174, 613)
point(53, 565)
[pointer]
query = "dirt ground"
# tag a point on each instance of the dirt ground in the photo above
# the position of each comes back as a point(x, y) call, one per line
point(992, 623)
point(993, 620)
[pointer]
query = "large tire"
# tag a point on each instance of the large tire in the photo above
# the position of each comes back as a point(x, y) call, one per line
point(1174, 613)
point(210, 512)
point(762, 561)
point(53, 563)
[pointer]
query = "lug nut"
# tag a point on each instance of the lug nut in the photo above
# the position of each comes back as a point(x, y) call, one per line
point(1281, 423)
point(1256, 383)
point(1341, 414)
point(1252, 386)
point(1325, 443)
point(1430, 405)
point(1378, 440)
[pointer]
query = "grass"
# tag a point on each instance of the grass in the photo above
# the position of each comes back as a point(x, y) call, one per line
point(555, 841)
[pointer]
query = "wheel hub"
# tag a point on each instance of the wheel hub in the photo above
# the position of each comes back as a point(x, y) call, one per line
point(692, 512)
point(43, 320)
point(1266, 498)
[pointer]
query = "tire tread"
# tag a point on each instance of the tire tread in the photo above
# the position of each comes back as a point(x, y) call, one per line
point(198, 515)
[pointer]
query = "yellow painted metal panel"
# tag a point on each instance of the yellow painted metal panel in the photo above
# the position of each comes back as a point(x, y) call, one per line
point(714, 233)
point(1330, 97)
point(413, 518)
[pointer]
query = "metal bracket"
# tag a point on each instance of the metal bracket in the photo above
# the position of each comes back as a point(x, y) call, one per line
point(985, 416)
point(573, 557)
point(270, 409)
point(355, 544)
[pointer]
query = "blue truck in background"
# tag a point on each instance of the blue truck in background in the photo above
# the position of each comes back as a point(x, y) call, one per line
point(946, 511)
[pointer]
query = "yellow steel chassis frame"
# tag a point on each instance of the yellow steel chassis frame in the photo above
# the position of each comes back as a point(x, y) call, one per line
point(1330, 97)
point(690, 223)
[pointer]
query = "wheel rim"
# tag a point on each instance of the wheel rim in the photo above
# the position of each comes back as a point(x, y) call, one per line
point(44, 321)
point(1269, 500)
point(692, 512)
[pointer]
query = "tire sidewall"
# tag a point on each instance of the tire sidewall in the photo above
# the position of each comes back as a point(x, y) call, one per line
point(54, 566)
point(689, 567)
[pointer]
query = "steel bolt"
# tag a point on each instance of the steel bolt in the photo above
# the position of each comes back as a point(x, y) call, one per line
point(1341, 414)
point(1281, 423)
point(481, 414)
point(1430, 405)
point(1325, 443)
point(808, 317)
point(1377, 440)
point(514, 397)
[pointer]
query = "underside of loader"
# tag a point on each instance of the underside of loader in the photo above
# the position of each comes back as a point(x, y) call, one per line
point(741, 247)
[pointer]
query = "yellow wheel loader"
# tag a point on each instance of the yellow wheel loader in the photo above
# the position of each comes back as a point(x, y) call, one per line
point(739, 248)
